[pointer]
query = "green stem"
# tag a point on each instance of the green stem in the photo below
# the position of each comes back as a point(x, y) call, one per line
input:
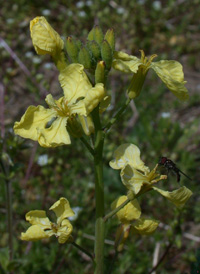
point(84, 141)
point(117, 115)
point(9, 216)
point(99, 193)
point(83, 250)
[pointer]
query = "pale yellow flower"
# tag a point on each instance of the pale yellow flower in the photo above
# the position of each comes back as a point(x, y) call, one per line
point(48, 126)
point(41, 227)
point(131, 221)
point(170, 72)
point(138, 178)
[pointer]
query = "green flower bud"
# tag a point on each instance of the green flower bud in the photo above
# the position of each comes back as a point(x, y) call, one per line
point(106, 54)
point(91, 35)
point(72, 49)
point(95, 49)
point(110, 37)
point(100, 72)
point(96, 34)
point(84, 58)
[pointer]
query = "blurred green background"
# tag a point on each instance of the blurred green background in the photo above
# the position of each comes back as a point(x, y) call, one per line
point(156, 122)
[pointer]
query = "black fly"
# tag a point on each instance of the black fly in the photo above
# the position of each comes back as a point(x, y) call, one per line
point(171, 166)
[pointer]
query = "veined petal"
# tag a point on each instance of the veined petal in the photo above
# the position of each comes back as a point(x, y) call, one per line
point(74, 82)
point(178, 197)
point(34, 233)
point(171, 73)
point(125, 63)
point(45, 39)
point(145, 226)
point(78, 108)
point(133, 179)
point(128, 154)
point(128, 213)
point(33, 119)
point(64, 231)
point(94, 96)
point(38, 217)
point(55, 135)
point(62, 209)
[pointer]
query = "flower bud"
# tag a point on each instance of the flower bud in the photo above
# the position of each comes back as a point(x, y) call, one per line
point(100, 72)
point(45, 39)
point(96, 34)
point(72, 49)
point(110, 38)
point(95, 49)
point(84, 57)
point(106, 54)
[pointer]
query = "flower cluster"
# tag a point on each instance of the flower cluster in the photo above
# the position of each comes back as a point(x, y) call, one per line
point(138, 179)
point(72, 116)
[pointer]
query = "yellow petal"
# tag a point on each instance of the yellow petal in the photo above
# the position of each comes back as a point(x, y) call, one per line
point(34, 233)
point(38, 217)
point(178, 197)
point(133, 179)
point(74, 82)
point(125, 63)
point(94, 96)
point(45, 39)
point(128, 154)
point(64, 231)
point(62, 209)
point(55, 135)
point(131, 211)
point(171, 73)
point(78, 108)
point(144, 226)
point(34, 118)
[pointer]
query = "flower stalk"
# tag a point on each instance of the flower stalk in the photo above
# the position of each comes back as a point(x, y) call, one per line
point(117, 115)
point(99, 193)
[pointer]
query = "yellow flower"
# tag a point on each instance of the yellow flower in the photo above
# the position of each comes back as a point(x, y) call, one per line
point(45, 39)
point(170, 72)
point(138, 178)
point(129, 213)
point(48, 126)
point(41, 227)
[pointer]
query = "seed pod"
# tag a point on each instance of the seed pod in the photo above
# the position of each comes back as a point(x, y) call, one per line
point(84, 58)
point(110, 37)
point(72, 49)
point(106, 54)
